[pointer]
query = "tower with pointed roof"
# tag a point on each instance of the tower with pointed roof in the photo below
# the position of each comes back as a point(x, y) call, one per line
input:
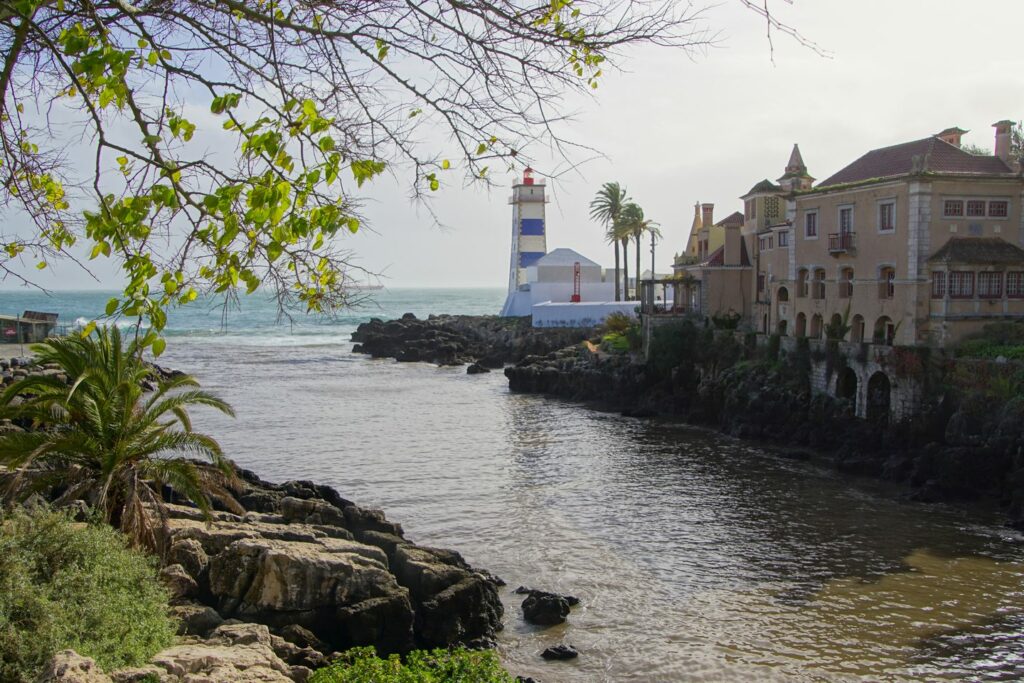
point(796, 178)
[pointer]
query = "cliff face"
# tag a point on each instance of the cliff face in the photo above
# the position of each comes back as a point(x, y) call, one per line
point(967, 445)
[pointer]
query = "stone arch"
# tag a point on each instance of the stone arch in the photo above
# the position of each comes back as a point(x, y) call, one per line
point(816, 326)
point(783, 295)
point(846, 384)
point(884, 331)
point(857, 328)
point(879, 397)
point(801, 325)
point(781, 327)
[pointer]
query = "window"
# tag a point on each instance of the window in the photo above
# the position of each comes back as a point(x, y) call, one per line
point(784, 238)
point(887, 216)
point(762, 243)
point(846, 283)
point(961, 284)
point(1015, 285)
point(990, 285)
point(771, 208)
point(811, 224)
point(886, 283)
point(751, 209)
point(801, 283)
point(953, 207)
point(1000, 209)
point(939, 285)
point(819, 284)
point(760, 282)
point(846, 219)
point(976, 208)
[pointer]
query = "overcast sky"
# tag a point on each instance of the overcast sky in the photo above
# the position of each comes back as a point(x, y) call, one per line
point(678, 128)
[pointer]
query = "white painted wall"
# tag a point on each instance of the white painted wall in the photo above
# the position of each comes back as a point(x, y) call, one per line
point(586, 314)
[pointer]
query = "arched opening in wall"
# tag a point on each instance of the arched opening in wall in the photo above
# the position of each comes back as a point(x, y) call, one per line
point(879, 397)
point(846, 384)
point(816, 326)
point(857, 329)
point(781, 327)
point(801, 325)
point(764, 324)
point(885, 331)
point(835, 327)
point(783, 295)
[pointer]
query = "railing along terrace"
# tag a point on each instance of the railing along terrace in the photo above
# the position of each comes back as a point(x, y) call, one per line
point(839, 242)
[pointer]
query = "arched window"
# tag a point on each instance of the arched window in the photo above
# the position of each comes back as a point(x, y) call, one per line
point(801, 325)
point(816, 326)
point(783, 324)
point(835, 328)
point(857, 329)
point(819, 283)
point(846, 283)
point(801, 283)
point(886, 282)
point(783, 295)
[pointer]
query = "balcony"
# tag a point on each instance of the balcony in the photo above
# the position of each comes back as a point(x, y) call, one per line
point(842, 243)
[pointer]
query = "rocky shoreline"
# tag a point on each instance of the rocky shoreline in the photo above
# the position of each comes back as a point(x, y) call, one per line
point(959, 449)
point(488, 341)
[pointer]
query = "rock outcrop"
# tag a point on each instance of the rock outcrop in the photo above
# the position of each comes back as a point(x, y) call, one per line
point(490, 341)
point(305, 561)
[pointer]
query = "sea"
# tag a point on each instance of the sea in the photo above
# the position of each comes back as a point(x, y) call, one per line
point(697, 557)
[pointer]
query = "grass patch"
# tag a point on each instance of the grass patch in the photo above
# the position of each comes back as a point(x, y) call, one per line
point(361, 665)
point(66, 585)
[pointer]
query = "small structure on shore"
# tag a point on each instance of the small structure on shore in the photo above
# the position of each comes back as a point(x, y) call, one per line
point(560, 288)
point(29, 328)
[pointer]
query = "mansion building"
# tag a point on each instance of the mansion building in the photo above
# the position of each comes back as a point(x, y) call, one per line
point(918, 243)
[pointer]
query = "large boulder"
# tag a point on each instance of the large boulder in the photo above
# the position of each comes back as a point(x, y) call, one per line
point(340, 590)
point(67, 666)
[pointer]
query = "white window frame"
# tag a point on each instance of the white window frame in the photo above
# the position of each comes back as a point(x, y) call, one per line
point(878, 215)
point(817, 224)
point(783, 238)
point(839, 218)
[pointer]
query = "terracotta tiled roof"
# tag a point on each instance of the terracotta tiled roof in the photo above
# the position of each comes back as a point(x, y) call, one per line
point(735, 218)
point(717, 258)
point(979, 250)
point(936, 156)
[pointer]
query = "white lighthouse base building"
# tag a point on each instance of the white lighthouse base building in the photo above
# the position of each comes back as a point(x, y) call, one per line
point(550, 286)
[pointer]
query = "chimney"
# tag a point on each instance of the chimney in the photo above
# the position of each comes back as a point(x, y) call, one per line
point(707, 215)
point(952, 135)
point(1004, 131)
point(733, 246)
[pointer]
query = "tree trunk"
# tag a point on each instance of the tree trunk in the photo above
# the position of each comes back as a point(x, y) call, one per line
point(638, 266)
point(625, 270)
point(618, 291)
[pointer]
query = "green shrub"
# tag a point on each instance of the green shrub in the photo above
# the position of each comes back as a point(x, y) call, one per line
point(617, 321)
point(66, 585)
point(615, 342)
point(727, 321)
point(361, 665)
point(987, 348)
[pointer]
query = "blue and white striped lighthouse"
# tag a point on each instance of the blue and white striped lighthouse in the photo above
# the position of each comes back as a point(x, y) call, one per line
point(529, 240)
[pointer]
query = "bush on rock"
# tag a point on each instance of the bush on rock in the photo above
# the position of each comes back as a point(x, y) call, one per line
point(71, 586)
point(361, 665)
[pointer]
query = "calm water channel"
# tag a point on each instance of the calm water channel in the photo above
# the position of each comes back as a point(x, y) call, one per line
point(698, 558)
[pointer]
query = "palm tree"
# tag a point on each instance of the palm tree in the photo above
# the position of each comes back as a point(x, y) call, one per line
point(102, 438)
point(605, 208)
point(632, 224)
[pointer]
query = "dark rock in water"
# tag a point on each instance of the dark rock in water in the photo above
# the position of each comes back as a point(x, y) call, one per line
point(545, 609)
point(639, 412)
point(523, 590)
point(560, 652)
point(476, 369)
point(408, 316)
point(526, 679)
point(492, 362)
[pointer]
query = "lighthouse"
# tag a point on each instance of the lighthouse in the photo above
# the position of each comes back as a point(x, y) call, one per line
point(529, 240)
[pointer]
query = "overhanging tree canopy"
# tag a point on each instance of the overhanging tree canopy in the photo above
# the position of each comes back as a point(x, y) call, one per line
point(312, 98)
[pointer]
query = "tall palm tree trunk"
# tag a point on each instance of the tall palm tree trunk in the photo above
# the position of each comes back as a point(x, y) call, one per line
point(618, 289)
point(638, 266)
point(625, 269)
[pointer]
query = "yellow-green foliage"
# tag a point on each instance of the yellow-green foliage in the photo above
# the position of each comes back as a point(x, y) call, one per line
point(66, 585)
point(361, 665)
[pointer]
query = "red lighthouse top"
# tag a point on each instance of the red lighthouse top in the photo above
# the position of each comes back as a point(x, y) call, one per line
point(528, 176)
